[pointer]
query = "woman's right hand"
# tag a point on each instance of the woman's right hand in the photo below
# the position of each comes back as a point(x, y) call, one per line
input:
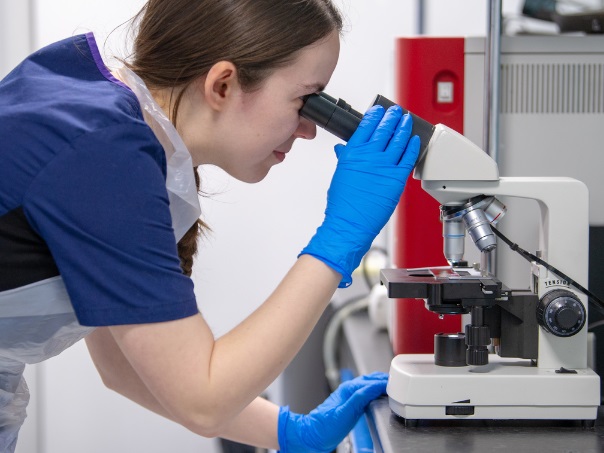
point(370, 176)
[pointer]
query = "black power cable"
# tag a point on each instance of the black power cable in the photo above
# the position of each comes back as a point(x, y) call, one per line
point(595, 301)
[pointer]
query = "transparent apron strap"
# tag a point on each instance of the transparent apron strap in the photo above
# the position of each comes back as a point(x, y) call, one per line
point(14, 396)
point(180, 179)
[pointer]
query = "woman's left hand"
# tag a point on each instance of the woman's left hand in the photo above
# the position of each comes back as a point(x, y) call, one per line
point(326, 426)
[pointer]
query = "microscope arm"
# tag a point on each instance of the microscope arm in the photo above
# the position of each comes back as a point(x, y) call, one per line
point(453, 169)
point(564, 212)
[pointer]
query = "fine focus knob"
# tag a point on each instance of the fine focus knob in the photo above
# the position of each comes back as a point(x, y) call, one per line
point(561, 313)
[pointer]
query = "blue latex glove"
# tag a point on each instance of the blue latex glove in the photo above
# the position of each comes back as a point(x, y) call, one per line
point(370, 176)
point(326, 426)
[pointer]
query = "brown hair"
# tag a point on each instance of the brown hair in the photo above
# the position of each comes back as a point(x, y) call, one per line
point(178, 41)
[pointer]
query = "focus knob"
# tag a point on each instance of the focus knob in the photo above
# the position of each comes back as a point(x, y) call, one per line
point(561, 313)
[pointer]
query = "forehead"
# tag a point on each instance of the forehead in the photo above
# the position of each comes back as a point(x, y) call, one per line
point(312, 68)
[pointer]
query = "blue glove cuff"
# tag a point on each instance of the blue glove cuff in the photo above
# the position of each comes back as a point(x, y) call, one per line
point(339, 251)
point(281, 428)
point(346, 277)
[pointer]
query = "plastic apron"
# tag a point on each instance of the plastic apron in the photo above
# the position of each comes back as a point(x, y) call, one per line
point(37, 321)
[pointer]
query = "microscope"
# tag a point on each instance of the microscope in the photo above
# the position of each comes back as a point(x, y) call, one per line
point(523, 354)
point(539, 366)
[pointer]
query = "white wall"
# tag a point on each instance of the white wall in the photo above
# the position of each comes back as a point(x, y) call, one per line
point(258, 229)
point(16, 34)
point(16, 41)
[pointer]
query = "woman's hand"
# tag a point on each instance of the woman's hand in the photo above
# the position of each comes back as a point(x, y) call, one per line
point(370, 176)
point(326, 426)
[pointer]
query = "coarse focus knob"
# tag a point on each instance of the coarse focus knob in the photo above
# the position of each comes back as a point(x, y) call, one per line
point(477, 339)
point(561, 313)
point(477, 356)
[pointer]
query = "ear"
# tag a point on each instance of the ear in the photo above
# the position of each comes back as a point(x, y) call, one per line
point(220, 84)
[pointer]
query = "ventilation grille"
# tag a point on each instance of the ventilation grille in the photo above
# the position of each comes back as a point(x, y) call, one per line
point(552, 88)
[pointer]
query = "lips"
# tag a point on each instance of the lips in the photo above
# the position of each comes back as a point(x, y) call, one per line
point(280, 155)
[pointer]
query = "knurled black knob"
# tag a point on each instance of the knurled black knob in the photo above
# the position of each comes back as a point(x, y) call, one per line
point(561, 313)
point(477, 356)
point(477, 335)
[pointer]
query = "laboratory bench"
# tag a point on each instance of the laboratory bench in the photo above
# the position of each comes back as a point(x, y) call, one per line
point(365, 349)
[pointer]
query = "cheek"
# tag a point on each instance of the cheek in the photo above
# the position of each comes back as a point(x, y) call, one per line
point(266, 127)
point(291, 123)
point(281, 128)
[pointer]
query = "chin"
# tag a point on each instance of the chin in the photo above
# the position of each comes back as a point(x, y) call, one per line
point(252, 177)
point(256, 179)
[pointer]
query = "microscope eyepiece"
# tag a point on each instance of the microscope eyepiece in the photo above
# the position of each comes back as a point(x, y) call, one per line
point(339, 118)
point(333, 115)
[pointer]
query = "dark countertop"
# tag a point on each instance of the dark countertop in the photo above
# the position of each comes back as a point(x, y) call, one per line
point(367, 349)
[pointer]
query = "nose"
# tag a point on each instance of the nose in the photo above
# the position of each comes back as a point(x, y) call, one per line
point(306, 129)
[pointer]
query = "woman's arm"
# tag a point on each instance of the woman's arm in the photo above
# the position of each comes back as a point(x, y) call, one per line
point(261, 423)
point(255, 425)
point(204, 384)
point(117, 373)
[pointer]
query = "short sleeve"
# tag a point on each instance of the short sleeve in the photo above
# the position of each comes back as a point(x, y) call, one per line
point(103, 209)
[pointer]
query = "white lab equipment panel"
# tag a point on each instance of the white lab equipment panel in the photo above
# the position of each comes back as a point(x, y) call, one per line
point(552, 111)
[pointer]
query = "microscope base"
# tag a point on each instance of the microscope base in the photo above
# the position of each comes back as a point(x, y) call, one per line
point(505, 389)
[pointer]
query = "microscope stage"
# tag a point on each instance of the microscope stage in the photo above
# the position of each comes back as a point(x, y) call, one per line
point(505, 389)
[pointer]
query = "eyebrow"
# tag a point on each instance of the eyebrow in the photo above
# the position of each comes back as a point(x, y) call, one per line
point(313, 87)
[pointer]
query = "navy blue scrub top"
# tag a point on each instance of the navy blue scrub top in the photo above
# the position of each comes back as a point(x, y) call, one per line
point(82, 191)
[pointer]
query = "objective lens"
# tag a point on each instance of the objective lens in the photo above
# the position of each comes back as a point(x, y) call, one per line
point(479, 230)
point(495, 210)
point(454, 234)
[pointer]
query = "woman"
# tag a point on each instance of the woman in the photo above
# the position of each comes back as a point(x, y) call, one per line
point(99, 215)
